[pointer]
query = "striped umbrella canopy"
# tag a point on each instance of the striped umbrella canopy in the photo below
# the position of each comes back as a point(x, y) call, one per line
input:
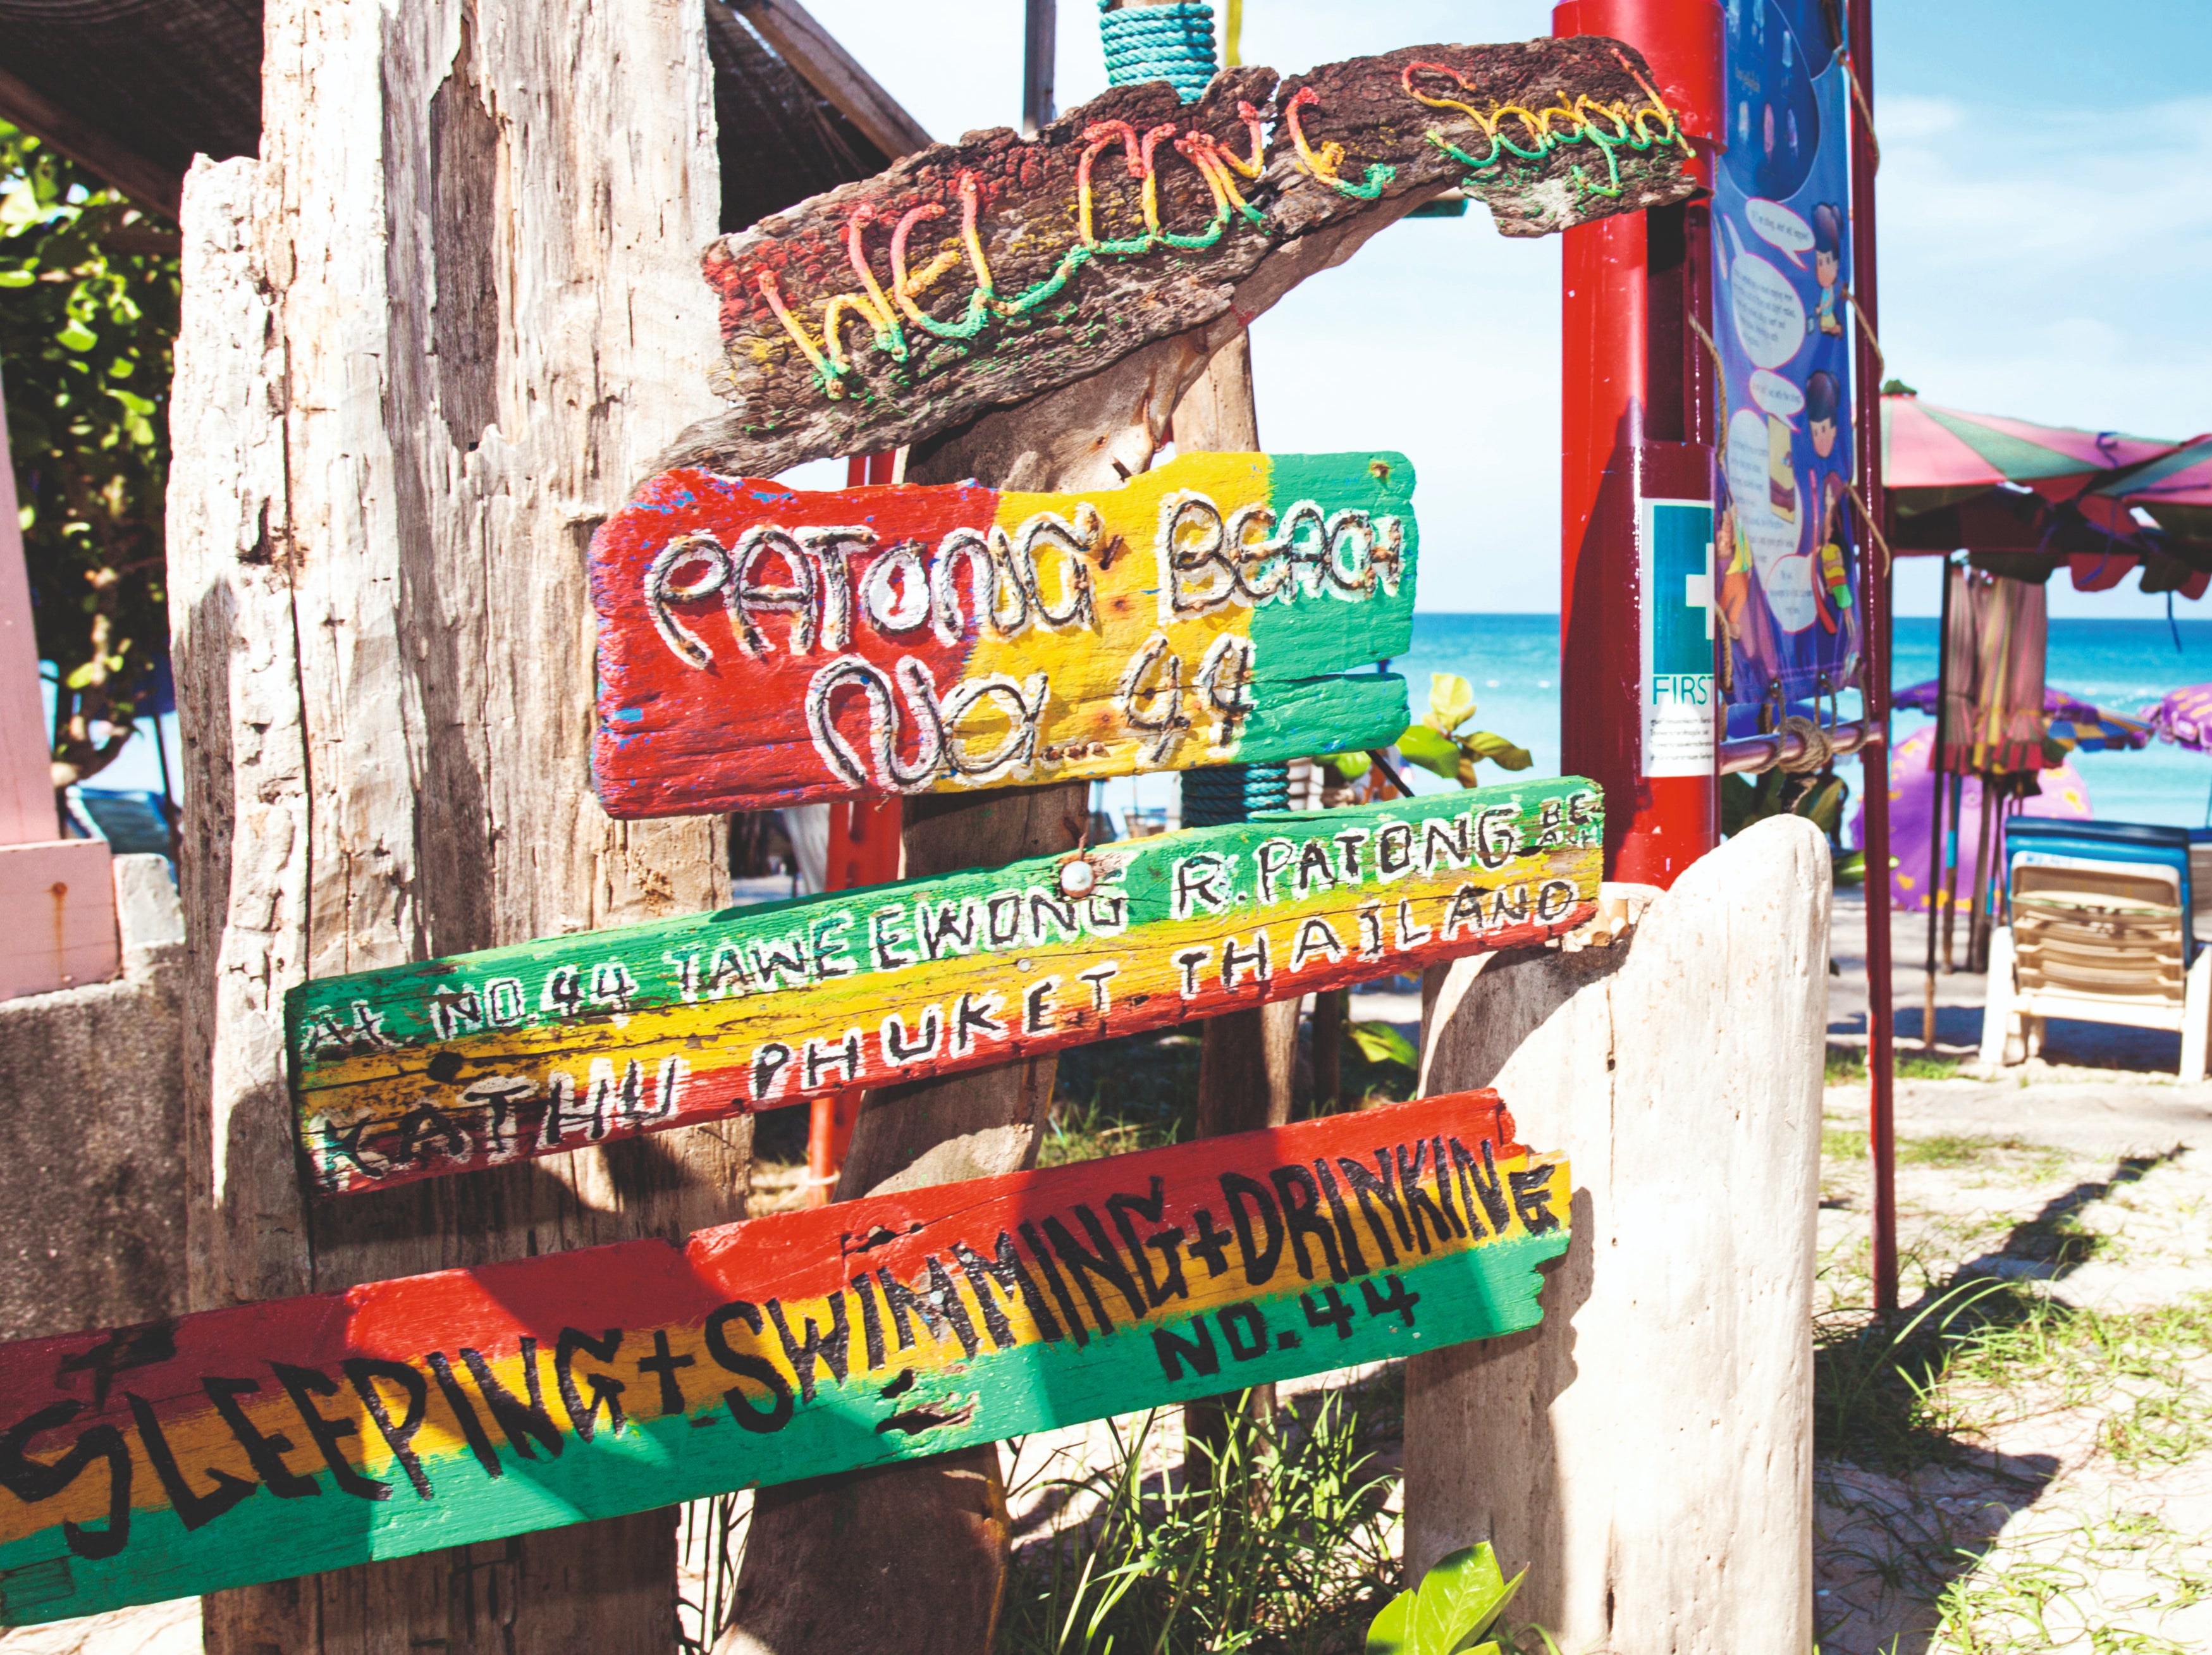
point(1932, 455)
point(2175, 489)
point(2183, 717)
point(2068, 719)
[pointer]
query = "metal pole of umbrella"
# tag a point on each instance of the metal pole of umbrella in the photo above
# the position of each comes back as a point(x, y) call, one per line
point(1874, 600)
point(1950, 867)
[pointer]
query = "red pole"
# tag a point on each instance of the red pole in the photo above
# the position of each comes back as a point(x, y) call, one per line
point(1875, 589)
point(1637, 427)
point(863, 850)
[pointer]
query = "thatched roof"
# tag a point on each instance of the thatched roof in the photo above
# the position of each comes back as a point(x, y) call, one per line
point(134, 89)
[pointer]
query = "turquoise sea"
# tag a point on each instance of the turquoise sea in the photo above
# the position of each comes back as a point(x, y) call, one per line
point(1512, 660)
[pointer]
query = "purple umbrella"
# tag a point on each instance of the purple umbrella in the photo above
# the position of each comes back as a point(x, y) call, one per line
point(2069, 722)
point(2183, 717)
point(1911, 791)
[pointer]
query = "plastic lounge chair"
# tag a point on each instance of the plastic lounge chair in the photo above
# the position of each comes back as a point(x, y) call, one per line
point(2104, 924)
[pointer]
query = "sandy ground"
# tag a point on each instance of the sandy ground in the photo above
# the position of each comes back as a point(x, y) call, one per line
point(2088, 1179)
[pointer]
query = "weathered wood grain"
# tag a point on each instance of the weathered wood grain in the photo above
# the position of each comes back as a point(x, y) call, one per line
point(1649, 1451)
point(762, 646)
point(262, 1440)
point(975, 275)
point(432, 336)
point(512, 1053)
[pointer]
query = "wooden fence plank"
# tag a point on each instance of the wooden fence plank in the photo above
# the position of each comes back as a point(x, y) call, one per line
point(467, 1405)
point(418, 1070)
point(973, 275)
point(762, 646)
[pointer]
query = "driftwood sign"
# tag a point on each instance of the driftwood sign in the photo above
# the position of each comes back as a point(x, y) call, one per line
point(419, 1070)
point(972, 276)
point(761, 646)
point(267, 1440)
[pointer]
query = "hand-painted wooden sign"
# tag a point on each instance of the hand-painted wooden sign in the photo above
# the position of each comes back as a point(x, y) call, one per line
point(274, 1439)
point(972, 276)
point(418, 1070)
point(761, 646)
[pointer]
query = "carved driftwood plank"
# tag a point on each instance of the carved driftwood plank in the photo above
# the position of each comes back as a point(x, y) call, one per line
point(419, 1070)
point(260, 1441)
point(763, 646)
point(972, 276)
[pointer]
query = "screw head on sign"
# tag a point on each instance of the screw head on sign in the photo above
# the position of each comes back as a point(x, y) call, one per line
point(1077, 878)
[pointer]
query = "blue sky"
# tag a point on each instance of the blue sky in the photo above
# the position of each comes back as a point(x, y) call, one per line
point(2046, 248)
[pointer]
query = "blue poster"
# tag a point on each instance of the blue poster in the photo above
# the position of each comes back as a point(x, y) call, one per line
point(1781, 251)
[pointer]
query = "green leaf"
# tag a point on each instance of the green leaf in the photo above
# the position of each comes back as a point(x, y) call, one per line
point(1486, 744)
point(1451, 701)
point(17, 278)
point(75, 336)
point(1351, 766)
point(1379, 1042)
point(1431, 750)
point(1459, 1597)
point(1393, 1629)
point(1850, 869)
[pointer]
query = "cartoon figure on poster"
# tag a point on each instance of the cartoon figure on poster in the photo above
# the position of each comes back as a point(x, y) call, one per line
point(1782, 243)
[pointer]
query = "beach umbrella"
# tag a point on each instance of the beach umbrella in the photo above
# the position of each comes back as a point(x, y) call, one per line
point(2063, 793)
point(2183, 717)
point(2067, 720)
point(2175, 489)
point(1933, 455)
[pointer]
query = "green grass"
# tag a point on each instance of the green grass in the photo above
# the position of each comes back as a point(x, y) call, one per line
point(2032, 1161)
point(1278, 1543)
point(1846, 1064)
point(2023, 1599)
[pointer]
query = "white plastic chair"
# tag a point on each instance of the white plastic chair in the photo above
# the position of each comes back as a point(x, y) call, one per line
point(2100, 941)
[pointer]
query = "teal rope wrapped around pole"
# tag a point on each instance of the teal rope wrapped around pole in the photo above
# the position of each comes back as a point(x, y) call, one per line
point(1172, 43)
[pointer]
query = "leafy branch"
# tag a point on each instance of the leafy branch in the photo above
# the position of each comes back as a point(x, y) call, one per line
point(89, 289)
point(1439, 742)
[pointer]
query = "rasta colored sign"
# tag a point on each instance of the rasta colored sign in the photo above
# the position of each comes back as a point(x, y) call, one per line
point(761, 646)
point(419, 1070)
point(975, 275)
point(266, 1440)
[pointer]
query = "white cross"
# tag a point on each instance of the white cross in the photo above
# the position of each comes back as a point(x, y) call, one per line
point(1698, 591)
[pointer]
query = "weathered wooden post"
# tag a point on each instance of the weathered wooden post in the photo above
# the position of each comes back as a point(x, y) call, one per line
point(931, 1132)
point(429, 341)
point(1648, 1450)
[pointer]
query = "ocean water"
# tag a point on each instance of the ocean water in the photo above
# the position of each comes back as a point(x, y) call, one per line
point(2121, 666)
point(1513, 663)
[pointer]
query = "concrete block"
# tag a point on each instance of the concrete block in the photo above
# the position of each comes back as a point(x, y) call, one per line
point(92, 1202)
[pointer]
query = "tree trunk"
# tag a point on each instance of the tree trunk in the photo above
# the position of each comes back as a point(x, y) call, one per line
point(1246, 1066)
point(923, 1547)
point(427, 341)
